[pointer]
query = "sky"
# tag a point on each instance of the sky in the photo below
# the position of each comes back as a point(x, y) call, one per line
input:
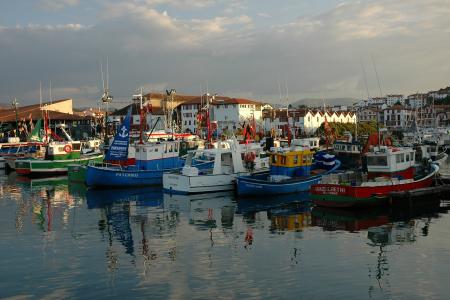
point(259, 49)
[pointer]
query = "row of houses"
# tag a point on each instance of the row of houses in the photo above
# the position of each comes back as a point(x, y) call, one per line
point(229, 114)
point(399, 117)
point(305, 120)
point(412, 101)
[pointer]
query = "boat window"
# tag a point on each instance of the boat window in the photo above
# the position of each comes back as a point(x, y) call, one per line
point(407, 157)
point(76, 146)
point(283, 160)
point(400, 158)
point(60, 149)
point(295, 159)
point(156, 149)
point(377, 160)
point(170, 148)
point(165, 148)
point(274, 158)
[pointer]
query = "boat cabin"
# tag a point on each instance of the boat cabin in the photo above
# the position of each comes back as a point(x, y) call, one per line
point(291, 162)
point(63, 150)
point(226, 160)
point(159, 155)
point(347, 145)
point(391, 162)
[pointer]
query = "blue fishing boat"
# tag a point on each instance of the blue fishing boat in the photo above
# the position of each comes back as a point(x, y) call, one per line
point(152, 159)
point(291, 170)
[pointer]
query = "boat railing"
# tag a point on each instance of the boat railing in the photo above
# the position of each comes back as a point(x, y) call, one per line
point(104, 164)
point(345, 178)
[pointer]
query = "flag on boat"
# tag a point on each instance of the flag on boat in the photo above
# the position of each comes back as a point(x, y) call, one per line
point(118, 151)
point(36, 135)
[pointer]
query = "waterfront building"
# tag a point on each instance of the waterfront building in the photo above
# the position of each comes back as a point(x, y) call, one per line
point(303, 120)
point(397, 117)
point(392, 100)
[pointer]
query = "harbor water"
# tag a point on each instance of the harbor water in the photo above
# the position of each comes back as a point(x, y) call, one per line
point(60, 240)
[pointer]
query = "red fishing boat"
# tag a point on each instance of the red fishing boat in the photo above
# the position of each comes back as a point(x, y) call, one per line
point(389, 169)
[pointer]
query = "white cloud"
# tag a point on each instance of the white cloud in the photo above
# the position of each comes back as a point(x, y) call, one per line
point(319, 54)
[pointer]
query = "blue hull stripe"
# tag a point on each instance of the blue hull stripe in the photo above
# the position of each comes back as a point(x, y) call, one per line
point(249, 185)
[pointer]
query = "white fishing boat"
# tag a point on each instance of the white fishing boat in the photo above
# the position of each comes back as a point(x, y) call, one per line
point(228, 164)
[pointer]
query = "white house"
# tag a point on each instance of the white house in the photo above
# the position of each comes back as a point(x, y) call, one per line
point(229, 113)
point(416, 100)
point(397, 117)
point(306, 121)
point(188, 114)
point(394, 99)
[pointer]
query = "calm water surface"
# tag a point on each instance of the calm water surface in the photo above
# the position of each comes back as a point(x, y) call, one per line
point(63, 241)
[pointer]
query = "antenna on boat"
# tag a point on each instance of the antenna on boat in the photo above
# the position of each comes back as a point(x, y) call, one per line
point(365, 79)
point(381, 95)
point(40, 94)
point(106, 96)
point(50, 95)
point(376, 74)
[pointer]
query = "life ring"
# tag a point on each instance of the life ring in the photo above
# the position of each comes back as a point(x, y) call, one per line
point(67, 148)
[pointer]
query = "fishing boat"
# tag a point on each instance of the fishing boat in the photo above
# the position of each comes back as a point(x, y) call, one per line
point(430, 151)
point(14, 149)
point(291, 170)
point(389, 169)
point(228, 164)
point(2, 163)
point(58, 155)
point(151, 160)
point(348, 151)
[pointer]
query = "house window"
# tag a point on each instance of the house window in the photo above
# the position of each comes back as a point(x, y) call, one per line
point(189, 122)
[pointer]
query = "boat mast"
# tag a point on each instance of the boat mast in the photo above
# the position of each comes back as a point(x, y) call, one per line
point(381, 95)
point(106, 97)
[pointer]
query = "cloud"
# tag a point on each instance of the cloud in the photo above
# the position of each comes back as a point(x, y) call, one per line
point(150, 43)
point(55, 5)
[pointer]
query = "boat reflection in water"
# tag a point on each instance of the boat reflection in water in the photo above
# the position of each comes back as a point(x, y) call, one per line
point(332, 219)
point(204, 211)
point(136, 219)
point(145, 197)
point(291, 212)
point(384, 227)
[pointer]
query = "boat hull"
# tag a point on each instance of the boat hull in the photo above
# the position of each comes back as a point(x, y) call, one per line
point(184, 184)
point(258, 185)
point(50, 167)
point(131, 176)
point(336, 195)
point(121, 177)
